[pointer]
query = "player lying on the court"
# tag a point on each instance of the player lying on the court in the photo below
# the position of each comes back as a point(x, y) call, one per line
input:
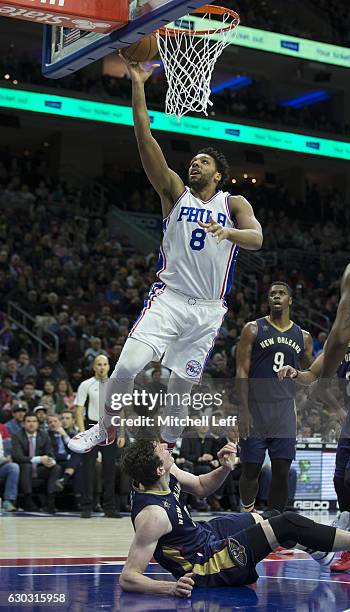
point(221, 552)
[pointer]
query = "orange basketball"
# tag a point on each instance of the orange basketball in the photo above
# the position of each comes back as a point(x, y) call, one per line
point(142, 50)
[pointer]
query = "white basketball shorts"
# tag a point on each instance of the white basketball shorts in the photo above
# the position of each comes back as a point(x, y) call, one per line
point(180, 327)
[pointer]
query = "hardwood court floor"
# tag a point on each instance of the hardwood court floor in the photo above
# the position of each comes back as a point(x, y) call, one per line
point(81, 560)
point(63, 536)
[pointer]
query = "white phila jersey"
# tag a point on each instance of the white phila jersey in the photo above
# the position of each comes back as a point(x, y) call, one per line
point(190, 260)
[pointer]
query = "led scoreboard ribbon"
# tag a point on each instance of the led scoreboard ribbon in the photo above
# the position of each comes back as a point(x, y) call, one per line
point(192, 126)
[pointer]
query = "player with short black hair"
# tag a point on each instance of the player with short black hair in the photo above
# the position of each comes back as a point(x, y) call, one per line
point(203, 230)
point(267, 418)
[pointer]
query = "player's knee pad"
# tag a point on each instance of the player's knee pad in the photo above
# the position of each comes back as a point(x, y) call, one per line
point(297, 520)
point(134, 357)
point(270, 513)
point(287, 527)
point(124, 371)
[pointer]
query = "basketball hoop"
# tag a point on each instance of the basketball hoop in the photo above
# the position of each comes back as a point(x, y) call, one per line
point(189, 55)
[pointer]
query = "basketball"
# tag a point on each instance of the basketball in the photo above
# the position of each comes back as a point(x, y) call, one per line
point(142, 50)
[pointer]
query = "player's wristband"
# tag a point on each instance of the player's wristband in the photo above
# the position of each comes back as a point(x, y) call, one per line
point(297, 374)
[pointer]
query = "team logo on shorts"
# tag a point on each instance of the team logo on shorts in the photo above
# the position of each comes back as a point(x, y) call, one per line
point(237, 552)
point(193, 368)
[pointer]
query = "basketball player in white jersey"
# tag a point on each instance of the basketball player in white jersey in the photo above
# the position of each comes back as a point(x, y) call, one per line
point(203, 230)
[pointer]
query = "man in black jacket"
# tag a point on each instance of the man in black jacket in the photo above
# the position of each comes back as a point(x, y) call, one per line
point(32, 450)
point(199, 451)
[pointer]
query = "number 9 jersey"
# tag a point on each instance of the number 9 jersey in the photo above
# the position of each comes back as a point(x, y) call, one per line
point(191, 261)
point(273, 349)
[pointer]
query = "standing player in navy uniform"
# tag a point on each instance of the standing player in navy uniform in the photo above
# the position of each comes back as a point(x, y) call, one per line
point(324, 368)
point(267, 419)
point(342, 461)
point(203, 229)
point(220, 552)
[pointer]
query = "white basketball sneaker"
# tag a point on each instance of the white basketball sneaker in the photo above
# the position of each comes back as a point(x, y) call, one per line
point(99, 434)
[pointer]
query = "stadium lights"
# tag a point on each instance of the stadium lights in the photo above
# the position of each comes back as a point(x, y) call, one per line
point(245, 176)
point(253, 180)
point(233, 181)
point(7, 76)
point(306, 100)
point(235, 83)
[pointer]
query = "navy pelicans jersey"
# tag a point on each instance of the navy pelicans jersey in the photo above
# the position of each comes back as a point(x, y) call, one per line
point(272, 350)
point(216, 559)
point(190, 260)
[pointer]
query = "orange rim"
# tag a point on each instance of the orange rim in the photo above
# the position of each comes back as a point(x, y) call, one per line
point(212, 10)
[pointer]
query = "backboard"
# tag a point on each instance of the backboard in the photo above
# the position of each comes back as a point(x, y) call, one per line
point(67, 50)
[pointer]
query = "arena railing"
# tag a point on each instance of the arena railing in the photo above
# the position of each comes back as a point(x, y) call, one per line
point(24, 321)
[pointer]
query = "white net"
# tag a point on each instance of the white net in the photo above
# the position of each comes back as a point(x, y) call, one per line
point(189, 59)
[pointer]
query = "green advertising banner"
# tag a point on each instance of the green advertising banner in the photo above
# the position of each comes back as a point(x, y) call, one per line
point(116, 114)
point(282, 44)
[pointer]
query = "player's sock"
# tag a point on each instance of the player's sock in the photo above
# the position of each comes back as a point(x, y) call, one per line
point(133, 358)
point(117, 387)
point(177, 402)
point(291, 529)
point(249, 485)
point(248, 507)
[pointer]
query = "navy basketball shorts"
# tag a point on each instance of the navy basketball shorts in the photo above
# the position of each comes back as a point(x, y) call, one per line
point(253, 450)
point(229, 559)
point(273, 430)
point(342, 459)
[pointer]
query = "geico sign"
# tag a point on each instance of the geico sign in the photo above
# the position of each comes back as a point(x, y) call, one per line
point(312, 504)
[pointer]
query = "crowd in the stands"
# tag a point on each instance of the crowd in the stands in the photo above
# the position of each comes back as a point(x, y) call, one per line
point(82, 282)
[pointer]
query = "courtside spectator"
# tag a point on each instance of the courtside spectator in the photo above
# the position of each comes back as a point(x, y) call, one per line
point(32, 450)
point(19, 410)
point(9, 476)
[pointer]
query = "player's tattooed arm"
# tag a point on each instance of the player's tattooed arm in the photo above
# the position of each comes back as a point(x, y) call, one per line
point(339, 336)
point(307, 357)
point(165, 181)
point(243, 359)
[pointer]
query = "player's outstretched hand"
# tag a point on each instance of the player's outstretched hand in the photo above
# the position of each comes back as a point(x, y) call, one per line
point(137, 71)
point(214, 228)
point(287, 372)
point(184, 586)
point(227, 455)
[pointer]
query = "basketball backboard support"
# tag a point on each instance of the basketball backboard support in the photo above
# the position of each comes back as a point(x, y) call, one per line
point(65, 51)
